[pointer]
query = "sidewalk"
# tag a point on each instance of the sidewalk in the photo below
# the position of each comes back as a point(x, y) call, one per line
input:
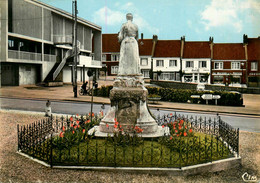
point(65, 93)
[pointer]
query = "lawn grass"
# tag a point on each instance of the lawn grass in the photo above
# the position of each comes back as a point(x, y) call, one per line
point(160, 152)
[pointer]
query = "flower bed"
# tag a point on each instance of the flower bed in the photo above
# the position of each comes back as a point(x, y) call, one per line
point(189, 143)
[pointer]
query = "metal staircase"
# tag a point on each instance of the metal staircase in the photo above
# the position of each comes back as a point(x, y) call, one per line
point(62, 64)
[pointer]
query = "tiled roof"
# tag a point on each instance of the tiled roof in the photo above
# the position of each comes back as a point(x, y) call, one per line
point(168, 48)
point(110, 43)
point(253, 49)
point(196, 49)
point(145, 47)
point(228, 51)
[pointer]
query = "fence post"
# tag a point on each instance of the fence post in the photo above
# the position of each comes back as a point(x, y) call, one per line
point(51, 153)
point(238, 142)
point(18, 136)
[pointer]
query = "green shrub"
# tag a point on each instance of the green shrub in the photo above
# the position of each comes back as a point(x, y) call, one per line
point(183, 95)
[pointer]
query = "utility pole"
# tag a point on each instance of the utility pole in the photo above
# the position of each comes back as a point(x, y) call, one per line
point(75, 50)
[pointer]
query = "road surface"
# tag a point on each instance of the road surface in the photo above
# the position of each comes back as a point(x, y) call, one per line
point(243, 122)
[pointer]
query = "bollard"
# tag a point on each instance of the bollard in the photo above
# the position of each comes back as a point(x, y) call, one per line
point(48, 109)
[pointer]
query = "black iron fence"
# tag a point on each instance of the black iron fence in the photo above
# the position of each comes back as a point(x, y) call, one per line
point(64, 141)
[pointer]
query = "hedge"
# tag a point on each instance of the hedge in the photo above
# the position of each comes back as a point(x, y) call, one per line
point(184, 95)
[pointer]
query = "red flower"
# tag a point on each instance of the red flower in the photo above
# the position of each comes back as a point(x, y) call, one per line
point(116, 123)
point(181, 121)
point(63, 128)
point(176, 131)
point(170, 137)
point(179, 127)
point(71, 118)
point(177, 135)
point(115, 119)
point(171, 114)
point(61, 134)
point(115, 126)
point(77, 114)
point(83, 130)
point(102, 114)
point(93, 114)
point(88, 121)
point(77, 121)
point(173, 127)
point(107, 125)
point(185, 134)
point(73, 132)
point(162, 126)
point(75, 126)
point(78, 126)
point(185, 127)
point(190, 130)
point(120, 126)
point(71, 124)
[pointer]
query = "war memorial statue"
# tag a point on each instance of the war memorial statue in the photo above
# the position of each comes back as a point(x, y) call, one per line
point(129, 96)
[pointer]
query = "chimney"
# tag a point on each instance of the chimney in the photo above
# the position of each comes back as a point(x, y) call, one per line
point(182, 45)
point(155, 39)
point(245, 39)
point(142, 36)
point(211, 44)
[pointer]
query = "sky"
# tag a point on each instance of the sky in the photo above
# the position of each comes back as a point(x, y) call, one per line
point(225, 20)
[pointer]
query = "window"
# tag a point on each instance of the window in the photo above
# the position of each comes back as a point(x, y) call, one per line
point(10, 43)
point(202, 64)
point(104, 57)
point(218, 65)
point(189, 64)
point(218, 79)
point(173, 63)
point(146, 73)
point(115, 57)
point(235, 65)
point(172, 76)
point(188, 78)
point(144, 61)
point(159, 63)
point(204, 78)
point(235, 79)
point(254, 66)
point(114, 69)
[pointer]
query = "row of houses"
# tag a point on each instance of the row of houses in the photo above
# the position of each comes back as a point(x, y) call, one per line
point(234, 64)
point(36, 44)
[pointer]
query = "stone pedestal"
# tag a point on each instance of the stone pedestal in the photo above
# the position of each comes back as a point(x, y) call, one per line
point(129, 108)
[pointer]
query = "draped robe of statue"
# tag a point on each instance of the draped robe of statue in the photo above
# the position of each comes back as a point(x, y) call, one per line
point(129, 52)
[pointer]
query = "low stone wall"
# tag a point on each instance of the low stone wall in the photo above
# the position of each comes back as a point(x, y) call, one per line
point(191, 86)
point(215, 166)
